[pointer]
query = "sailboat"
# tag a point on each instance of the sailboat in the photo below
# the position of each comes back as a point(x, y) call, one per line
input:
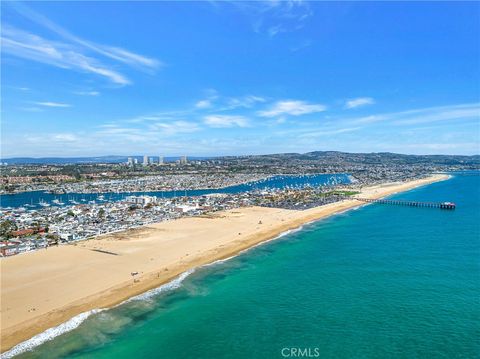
point(43, 203)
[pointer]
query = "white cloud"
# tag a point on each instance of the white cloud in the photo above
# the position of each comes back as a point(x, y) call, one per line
point(125, 56)
point(445, 114)
point(35, 48)
point(302, 45)
point(472, 147)
point(292, 107)
point(424, 115)
point(360, 101)
point(68, 137)
point(175, 127)
point(274, 17)
point(52, 104)
point(274, 30)
point(207, 102)
point(222, 103)
point(222, 121)
point(245, 101)
point(151, 131)
point(370, 119)
point(203, 104)
point(329, 132)
point(72, 53)
point(113, 52)
point(87, 93)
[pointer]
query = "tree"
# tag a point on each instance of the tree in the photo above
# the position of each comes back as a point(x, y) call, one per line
point(7, 227)
point(148, 205)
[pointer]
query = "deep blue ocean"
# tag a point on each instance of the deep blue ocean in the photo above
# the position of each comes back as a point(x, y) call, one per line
point(381, 281)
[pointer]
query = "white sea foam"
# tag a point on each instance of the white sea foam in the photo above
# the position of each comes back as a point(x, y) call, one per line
point(49, 334)
point(173, 284)
point(283, 234)
point(74, 322)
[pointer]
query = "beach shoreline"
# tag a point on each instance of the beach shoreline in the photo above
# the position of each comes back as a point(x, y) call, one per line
point(43, 289)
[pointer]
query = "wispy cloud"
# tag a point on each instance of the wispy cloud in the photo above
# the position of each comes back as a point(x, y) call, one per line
point(66, 137)
point(35, 48)
point(146, 133)
point(168, 132)
point(203, 104)
point(207, 102)
point(217, 102)
point(87, 93)
point(223, 121)
point(162, 116)
point(473, 147)
point(274, 17)
point(274, 30)
point(358, 102)
point(424, 115)
point(467, 113)
point(52, 104)
point(112, 52)
point(329, 132)
point(175, 127)
point(245, 101)
point(292, 107)
point(72, 53)
point(463, 112)
point(302, 45)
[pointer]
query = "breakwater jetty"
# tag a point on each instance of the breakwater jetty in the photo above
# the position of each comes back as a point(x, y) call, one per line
point(440, 205)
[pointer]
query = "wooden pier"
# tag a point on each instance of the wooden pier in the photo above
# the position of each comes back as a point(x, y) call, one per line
point(441, 205)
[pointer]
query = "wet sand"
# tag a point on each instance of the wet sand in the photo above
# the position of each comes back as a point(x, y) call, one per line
point(42, 289)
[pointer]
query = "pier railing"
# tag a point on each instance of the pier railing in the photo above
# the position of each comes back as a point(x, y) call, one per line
point(441, 205)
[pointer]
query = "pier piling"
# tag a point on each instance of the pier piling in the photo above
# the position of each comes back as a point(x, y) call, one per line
point(440, 205)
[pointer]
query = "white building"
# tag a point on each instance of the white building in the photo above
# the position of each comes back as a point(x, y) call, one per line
point(142, 200)
point(185, 209)
point(145, 160)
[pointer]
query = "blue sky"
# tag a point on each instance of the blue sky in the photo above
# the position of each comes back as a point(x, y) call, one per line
point(226, 78)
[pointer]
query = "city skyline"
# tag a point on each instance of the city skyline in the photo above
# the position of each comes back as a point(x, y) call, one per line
point(221, 78)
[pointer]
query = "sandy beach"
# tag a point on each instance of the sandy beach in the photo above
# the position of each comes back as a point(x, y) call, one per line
point(42, 289)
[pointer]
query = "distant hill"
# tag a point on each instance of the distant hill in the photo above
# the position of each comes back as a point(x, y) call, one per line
point(365, 158)
point(80, 160)
point(323, 156)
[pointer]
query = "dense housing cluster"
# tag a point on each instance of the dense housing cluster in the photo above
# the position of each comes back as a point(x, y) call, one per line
point(23, 229)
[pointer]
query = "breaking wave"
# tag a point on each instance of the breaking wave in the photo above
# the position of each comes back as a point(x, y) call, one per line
point(76, 321)
point(49, 334)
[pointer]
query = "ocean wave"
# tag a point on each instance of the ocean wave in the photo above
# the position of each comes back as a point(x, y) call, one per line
point(173, 284)
point(49, 334)
point(75, 322)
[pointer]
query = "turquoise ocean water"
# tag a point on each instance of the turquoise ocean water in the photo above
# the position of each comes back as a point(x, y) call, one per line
point(377, 282)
